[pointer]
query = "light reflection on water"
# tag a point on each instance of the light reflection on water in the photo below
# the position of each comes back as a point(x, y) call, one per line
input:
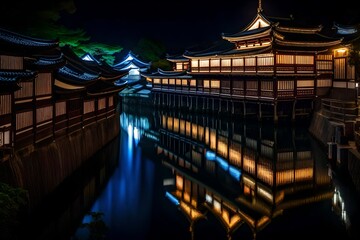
point(210, 178)
point(127, 198)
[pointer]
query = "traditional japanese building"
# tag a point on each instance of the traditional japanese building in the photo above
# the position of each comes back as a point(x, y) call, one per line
point(133, 65)
point(49, 96)
point(273, 67)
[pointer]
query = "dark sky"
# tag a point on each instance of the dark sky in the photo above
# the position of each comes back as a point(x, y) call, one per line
point(178, 24)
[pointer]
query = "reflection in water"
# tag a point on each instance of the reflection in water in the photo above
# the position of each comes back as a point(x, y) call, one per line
point(244, 174)
point(184, 176)
point(127, 198)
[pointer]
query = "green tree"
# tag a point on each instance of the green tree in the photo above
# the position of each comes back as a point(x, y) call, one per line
point(13, 203)
point(153, 51)
point(42, 19)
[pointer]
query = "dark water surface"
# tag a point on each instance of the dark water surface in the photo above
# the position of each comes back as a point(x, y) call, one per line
point(184, 176)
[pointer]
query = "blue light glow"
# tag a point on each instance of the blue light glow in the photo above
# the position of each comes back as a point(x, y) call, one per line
point(211, 156)
point(136, 135)
point(235, 173)
point(222, 163)
point(172, 198)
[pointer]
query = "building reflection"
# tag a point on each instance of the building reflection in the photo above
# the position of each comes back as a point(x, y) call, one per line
point(243, 174)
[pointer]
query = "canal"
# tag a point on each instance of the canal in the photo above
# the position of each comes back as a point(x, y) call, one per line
point(175, 175)
point(187, 176)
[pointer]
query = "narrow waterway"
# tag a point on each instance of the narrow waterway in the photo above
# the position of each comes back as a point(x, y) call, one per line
point(186, 176)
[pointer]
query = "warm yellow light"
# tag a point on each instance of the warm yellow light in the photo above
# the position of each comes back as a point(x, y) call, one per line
point(341, 50)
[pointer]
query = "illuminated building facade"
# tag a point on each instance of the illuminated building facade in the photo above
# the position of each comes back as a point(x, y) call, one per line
point(274, 67)
point(47, 92)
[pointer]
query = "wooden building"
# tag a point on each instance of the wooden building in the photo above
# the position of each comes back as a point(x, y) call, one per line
point(274, 67)
point(47, 91)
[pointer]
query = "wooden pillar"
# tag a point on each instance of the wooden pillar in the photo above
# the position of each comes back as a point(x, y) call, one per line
point(260, 112)
point(275, 113)
point(244, 112)
point(293, 115)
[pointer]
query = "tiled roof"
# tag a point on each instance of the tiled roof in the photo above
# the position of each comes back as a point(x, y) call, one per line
point(25, 41)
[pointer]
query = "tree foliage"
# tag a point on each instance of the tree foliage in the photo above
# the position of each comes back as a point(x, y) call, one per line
point(13, 202)
point(153, 51)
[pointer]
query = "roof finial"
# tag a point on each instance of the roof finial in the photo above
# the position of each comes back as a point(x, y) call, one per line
point(259, 7)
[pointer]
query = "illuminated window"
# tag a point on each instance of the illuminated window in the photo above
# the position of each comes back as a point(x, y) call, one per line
point(304, 59)
point(204, 63)
point(215, 62)
point(322, 65)
point(285, 85)
point(165, 81)
point(215, 83)
point(265, 61)
point(193, 82)
point(284, 59)
point(194, 63)
point(225, 62)
point(172, 81)
point(305, 83)
point(238, 62)
point(179, 66)
point(178, 82)
point(157, 81)
point(206, 83)
point(250, 61)
point(339, 68)
point(184, 82)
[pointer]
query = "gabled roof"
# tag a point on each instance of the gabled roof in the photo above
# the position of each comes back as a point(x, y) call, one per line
point(104, 70)
point(90, 58)
point(131, 58)
point(349, 33)
point(259, 24)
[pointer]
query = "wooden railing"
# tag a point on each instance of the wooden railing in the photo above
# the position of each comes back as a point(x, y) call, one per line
point(339, 110)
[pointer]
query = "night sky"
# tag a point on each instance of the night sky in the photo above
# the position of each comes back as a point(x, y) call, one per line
point(177, 24)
